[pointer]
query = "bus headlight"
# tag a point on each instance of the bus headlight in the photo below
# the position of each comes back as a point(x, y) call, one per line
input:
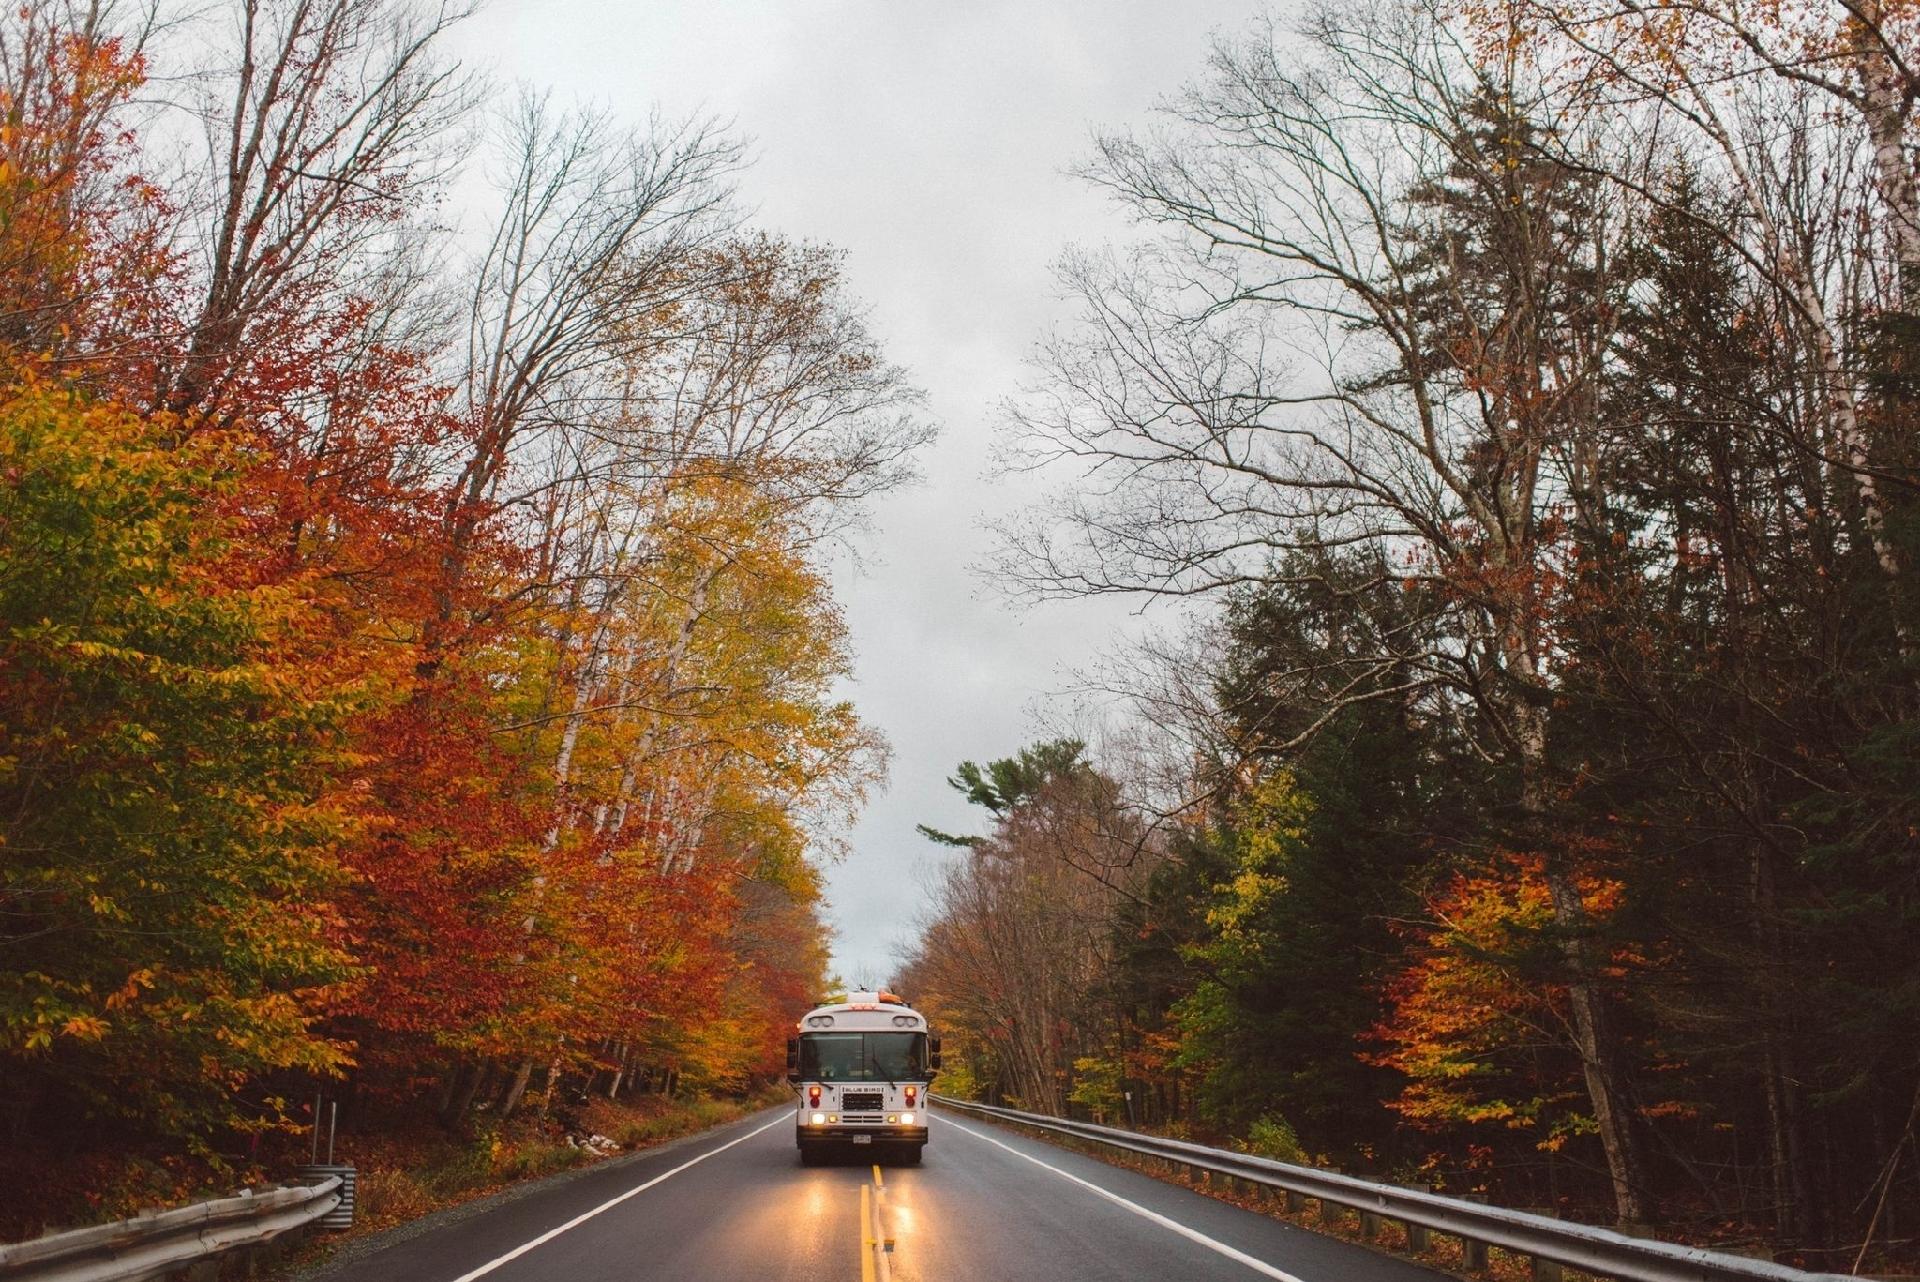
point(906, 1119)
point(818, 1119)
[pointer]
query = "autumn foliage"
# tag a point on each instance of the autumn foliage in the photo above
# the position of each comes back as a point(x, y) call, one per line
point(428, 706)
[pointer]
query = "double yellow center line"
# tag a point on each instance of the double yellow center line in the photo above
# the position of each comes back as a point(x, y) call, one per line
point(875, 1245)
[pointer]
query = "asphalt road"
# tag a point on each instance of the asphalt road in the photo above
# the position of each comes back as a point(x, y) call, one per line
point(735, 1203)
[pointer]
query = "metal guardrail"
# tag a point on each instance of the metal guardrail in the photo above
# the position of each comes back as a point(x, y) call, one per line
point(156, 1243)
point(1543, 1238)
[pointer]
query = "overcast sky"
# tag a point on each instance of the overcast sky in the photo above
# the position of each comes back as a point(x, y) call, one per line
point(930, 142)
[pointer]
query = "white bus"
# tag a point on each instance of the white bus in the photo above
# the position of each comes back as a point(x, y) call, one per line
point(861, 1068)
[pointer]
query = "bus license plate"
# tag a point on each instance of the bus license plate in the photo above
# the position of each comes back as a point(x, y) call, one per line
point(863, 1139)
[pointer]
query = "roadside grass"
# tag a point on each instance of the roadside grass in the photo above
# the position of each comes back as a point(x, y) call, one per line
point(405, 1175)
point(689, 1116)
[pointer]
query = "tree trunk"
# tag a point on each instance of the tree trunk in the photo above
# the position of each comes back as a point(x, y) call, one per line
point(553, 1084)
point(449, 1083)
point(1844, 431)
point(463, 1101)
point(517, 1089)
point(1795, 1216)
point(1886, 102)
point(619, 1071)
point(1602, 1063)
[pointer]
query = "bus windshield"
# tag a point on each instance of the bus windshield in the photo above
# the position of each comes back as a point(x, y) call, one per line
point(863, 1057)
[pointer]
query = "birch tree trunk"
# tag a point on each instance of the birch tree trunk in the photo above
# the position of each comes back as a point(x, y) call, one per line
point(1602, 1058)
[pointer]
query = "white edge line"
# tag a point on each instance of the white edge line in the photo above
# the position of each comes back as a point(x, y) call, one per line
point(610, 1203)
point(1193, 1235)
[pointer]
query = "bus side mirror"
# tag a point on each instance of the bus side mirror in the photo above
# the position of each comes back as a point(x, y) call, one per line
point(793, 1059)
point(933, 1052)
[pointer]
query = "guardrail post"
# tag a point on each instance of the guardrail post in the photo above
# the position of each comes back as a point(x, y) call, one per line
point(1473, 1255)
point(1369, 1226)
point(1417, 1235)
point(1329, 1211)
point(1544, 1270)
point(275, 1249)
point(1296, 1202)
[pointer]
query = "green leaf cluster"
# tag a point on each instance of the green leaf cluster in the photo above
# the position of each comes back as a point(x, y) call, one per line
point(165, 858)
